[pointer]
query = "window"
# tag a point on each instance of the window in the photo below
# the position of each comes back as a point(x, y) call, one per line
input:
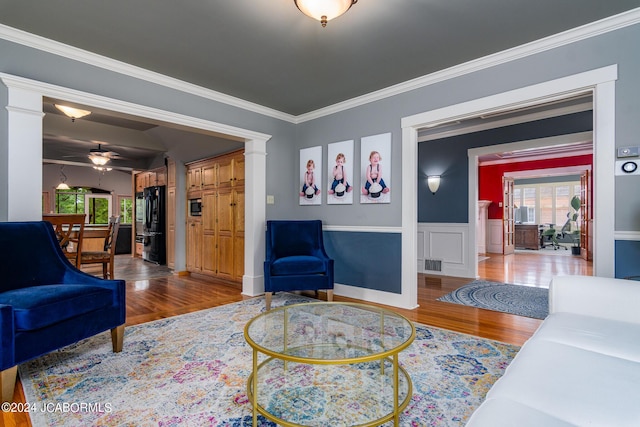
point(70, 201)
point(546, 203)
point(93, 202)
point(126, 209)
point(98, 208)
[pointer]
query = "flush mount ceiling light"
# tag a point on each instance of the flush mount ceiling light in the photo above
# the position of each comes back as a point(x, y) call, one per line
point(98, 156)
point(74, 113)
point(324, 10)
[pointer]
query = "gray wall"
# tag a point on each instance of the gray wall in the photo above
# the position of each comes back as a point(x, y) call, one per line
point(618, 47)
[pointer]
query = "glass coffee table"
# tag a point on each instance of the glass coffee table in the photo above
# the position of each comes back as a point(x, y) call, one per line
point(329, 363)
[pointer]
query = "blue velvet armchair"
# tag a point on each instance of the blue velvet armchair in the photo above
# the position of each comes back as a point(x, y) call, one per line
point(45, 302)
point(296, 259)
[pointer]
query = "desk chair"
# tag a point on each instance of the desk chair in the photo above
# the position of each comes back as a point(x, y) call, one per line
point(550, 239)
point(69, 230)
point(105, 256)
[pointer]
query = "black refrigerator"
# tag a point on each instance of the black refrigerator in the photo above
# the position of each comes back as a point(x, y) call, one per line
point(154, 222)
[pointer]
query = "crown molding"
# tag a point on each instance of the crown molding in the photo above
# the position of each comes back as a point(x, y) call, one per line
point(50, 46)
point(583, 32)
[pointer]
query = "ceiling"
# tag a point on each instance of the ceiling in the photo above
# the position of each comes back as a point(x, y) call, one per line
point(269, 53)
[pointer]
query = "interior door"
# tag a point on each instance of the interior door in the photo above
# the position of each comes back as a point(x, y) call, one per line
point(508, 216)
point(586, 220)
point(98, 208)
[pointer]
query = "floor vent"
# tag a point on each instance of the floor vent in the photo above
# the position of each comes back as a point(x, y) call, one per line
point(433, 265)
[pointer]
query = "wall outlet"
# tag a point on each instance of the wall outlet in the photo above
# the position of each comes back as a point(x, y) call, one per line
point(271, 199)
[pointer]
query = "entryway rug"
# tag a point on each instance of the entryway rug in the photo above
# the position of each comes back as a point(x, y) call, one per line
point(191, 370)
point(522, 300)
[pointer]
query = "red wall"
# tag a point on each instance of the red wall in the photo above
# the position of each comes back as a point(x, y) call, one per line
point(490, 177)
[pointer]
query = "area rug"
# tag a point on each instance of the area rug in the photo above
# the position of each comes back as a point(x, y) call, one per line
point(522, 300)
point(191, 370)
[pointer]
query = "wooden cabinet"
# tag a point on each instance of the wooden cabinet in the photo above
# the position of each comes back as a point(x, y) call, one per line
point(151, 178)
point(219, 182)
point(194, 246)
point(171, 213)
point(527, 236)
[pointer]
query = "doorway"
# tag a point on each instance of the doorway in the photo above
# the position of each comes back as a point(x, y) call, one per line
point(25, 119)
point(599, 82)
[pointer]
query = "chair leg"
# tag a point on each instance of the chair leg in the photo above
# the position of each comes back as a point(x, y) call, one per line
point(330, 295)
point(117, 338)
point(104, 270)
point(267, 299)
point(8, 383)
point(111, 276)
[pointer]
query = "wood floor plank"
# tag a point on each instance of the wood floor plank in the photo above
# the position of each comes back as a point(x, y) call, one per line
point(154, 293)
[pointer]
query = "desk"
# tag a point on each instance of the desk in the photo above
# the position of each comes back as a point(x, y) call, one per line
point(527, 236)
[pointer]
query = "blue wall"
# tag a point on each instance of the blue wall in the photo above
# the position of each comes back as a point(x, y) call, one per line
point(627, 258)
point(448, 158)
point(366, 260)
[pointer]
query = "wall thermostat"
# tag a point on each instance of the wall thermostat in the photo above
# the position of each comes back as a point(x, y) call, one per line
point(628, 167)
point(627, 152)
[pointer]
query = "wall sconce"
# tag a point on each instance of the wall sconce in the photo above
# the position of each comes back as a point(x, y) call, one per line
point(433, 181)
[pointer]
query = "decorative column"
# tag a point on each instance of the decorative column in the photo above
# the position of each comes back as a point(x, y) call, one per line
point(255, 157)
point(21, 176)
point(481, 227)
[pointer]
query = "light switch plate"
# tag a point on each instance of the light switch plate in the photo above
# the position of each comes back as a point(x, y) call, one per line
point(270, 199)
point(627, 152)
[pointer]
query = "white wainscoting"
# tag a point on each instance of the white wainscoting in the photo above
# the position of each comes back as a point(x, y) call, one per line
point(448, 243)
point(494, 236)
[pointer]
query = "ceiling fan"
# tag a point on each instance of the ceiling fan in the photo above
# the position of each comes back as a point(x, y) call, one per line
point(100, 156)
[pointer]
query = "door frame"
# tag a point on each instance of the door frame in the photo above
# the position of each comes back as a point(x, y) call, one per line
point(25, 140)
point(600, 82)
point(88, 196)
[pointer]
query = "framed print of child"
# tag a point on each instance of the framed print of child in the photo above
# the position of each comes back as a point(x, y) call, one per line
point(376, 185)
point(311, 175)
point(339, 173)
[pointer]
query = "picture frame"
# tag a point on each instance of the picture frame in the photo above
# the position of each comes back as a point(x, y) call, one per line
point(375, 169)
point(310, 176)
point(340, 162)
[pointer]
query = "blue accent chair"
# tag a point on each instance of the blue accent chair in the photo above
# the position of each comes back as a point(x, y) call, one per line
point(296, 259)
point(45, 302)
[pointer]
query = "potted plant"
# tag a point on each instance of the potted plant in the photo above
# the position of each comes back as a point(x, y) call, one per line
point(573, 217)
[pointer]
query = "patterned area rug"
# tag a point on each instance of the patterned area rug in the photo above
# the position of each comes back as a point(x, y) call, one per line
point(525, 301)
point(191, 370)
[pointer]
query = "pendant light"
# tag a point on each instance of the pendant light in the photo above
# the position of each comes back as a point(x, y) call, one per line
point(324, 10)
point(63, 180)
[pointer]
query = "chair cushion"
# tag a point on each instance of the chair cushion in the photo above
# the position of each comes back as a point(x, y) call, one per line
point(299, 264)
point(88, 256)
point(39, 306)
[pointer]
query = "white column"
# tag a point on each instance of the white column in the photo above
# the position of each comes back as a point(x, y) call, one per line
point(255, 156)
point(23, 179)
point(481, 229)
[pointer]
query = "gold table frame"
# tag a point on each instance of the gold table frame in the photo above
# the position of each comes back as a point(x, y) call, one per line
point(288, 354)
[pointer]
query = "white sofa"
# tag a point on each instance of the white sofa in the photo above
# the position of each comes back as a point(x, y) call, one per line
point(582, 365)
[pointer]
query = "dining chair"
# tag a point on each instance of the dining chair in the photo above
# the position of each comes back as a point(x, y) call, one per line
point(69, 230)
point(107, 254)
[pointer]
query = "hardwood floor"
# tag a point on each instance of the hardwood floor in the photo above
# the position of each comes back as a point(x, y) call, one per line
point(154, 293)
